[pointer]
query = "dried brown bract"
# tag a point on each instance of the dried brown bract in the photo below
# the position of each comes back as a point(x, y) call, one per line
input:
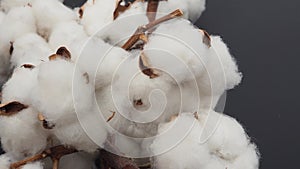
point(120, 8)
point(61, 53)
point(145, 67)
point(11, 108)
point(28, 66)
point(206, 39)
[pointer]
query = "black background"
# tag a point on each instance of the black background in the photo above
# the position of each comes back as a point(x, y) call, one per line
point(264, 37)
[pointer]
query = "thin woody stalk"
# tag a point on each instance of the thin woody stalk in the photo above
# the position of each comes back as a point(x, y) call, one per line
point(142, 29)
point(55, 153)
point(152, 9)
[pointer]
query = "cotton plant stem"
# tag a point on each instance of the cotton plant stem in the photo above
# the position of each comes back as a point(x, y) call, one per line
point(55, 153)
point(142, 29)
point(152, 9)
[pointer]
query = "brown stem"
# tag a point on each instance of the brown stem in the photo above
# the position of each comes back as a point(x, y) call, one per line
point(152, 9)
point(55, 163)
point(142, 29)
point(55, 153)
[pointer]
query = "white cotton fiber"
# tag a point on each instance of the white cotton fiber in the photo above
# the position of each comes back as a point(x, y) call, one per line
point(20, 85)
point(2, 15)
point(176, 48)
point(192, 9)
point(62, 111)
point(181, 147)
point(6, 5)
point(50, 13)
point(22, 134)
point(97, 15)
point(30, 49)
point(69, 34)
point(224, 135)
point(5, 161)
point(16, 18)
point(35, 165)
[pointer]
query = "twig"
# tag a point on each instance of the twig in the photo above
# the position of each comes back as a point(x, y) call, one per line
point(152, 9)
point(142, 29)
point(111, 117)
point(55, 153)
point(120, 8)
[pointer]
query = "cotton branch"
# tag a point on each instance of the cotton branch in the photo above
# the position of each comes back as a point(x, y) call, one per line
point(143, 29)
point(55, 153)
point(152, 9)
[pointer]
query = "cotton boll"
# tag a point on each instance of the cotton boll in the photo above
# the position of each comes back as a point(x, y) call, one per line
point(178, 43)
point(97, 15)
point(35, 165)
point(62, 111)
point(224, 135)
point(6, 5)
point(30, 49)
point(22, 134)
point(184, 131)
point(69, 34)
point(249, 159)
point(100, 60)
point(50, 13)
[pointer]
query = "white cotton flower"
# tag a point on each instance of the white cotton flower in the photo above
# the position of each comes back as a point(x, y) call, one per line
point(30, 49)
point(63, 111)
point(97, 15)
point(35, 165)
point(6, 5)
point(180, 147)
point(50, 13)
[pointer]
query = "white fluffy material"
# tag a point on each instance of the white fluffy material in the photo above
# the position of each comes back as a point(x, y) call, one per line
point(97, 15)
point(16, 18)
point(188, 152)
point(30, 49)
point(49, 13)
point(178, 43)
point(35, 165)
point(62, 111)
point(5, 161)
point(22, 134)
point(6, 5)
point(215, 141)
point(69, 34)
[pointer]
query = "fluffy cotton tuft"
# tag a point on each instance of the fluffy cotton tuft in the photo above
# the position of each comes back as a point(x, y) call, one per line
point(5, 161)
point(188, 152)
point(30, 49)
point(50, 13)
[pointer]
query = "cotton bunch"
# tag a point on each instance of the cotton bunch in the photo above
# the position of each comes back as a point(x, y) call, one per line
point(36, 165)
point(207, 154)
